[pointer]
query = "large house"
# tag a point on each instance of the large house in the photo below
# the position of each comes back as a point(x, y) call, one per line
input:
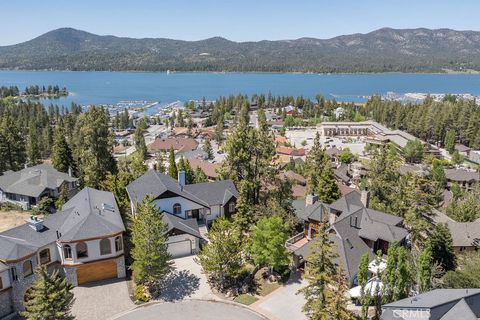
point(84, 242)
point(26, 187)
point(439, 304)
point(463, 177)
point(184, 206)
point(353, 228)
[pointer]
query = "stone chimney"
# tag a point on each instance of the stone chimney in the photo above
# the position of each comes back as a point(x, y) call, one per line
point(181, 178)
point(364, 197)
point(311, 199)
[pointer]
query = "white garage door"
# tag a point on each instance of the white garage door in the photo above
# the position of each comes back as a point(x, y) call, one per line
point(180, 248)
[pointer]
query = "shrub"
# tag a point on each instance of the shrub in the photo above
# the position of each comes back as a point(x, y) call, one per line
point(140, 294)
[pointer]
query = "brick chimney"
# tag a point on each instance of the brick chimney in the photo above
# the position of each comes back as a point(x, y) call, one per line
point(364, 197)
point(311, 199)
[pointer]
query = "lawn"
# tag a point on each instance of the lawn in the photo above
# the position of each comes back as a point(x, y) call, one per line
point(12, 218)
point(246, 299)
point(267, 288)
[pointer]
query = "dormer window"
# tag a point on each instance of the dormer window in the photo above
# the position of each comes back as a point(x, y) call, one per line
point(231, 206)
point(177, 208)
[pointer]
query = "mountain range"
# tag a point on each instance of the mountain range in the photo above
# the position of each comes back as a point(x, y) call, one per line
point(383, 50)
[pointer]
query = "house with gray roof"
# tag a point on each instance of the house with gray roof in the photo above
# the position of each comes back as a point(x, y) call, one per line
point(83, 241)
point(185, 205)
point(463, 177)
point(439, 304)
point(354, 228)
point(27, 186)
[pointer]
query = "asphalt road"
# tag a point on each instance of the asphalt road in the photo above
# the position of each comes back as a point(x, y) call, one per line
point(192, 310)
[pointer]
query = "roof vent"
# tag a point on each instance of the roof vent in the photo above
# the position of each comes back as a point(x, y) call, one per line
point(35, 223)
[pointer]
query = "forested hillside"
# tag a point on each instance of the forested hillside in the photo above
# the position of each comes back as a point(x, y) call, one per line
point(384, 50)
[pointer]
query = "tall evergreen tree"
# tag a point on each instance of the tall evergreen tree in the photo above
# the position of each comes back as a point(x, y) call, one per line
point(49, 298)
point(322, 299)
point(152, 261)
point(93, 147)
point(442, 247)
point(320, 178)
point(33, 144)
point(207, 148)
point(424, 269)
point(362, 277)
point(62, 158)
point(172, 165)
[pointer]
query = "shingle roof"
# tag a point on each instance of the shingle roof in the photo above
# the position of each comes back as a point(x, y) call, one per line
point(464, 234)
point(155, 183)
point(461, 175)
point(189, 226)
point(461, 310)
point(90, 213)
point(348, 203)
point(213, 193)
point(317, 212)
point(207, 194)
point(434, 298)
point(34, 180)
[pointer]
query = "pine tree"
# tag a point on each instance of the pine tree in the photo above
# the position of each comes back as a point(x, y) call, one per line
point(152, 261)
point(324, 282)
point(139, 140)
point(159, 159)
point(33, 147)
point(319, 174)
point(362, 277)
point(222, 258)
point(207, 148)
point(61, 154)
point(200, 176)
point(49, 298)
point(403, 277)
point(442, 247)
point(93, 147)
point(172, 166)
point(450, 141)
point(389, 274)
point(424, 269)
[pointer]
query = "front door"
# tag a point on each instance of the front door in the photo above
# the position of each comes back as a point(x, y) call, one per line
point(196, 214)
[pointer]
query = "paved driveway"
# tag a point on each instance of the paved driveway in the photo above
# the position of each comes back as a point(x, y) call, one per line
point(283, 303)
point(186, 282)
point(101, 300)
point(192, 310)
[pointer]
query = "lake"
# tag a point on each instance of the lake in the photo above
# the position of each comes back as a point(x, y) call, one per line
point(112, 87)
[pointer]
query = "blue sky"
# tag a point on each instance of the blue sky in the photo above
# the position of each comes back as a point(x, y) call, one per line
point(239, 20)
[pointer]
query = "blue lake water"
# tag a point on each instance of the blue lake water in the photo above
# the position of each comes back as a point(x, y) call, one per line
point(112, 87)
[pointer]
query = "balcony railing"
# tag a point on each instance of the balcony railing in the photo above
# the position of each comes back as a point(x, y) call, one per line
point(295, 242)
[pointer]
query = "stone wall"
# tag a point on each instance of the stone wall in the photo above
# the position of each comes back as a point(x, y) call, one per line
point(121, 269)
point(20, 286)
point(6, 305)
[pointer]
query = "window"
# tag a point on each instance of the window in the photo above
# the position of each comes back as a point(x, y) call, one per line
point(27, 268)
point(1, 283)
point(105, 246)
point(231, 206)
point(13, 270)
point(67, 252)
point(177, 208)
point(82, 250)
point(118, 244)
point(45, 256)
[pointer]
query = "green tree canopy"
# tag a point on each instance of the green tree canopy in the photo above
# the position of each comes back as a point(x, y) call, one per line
point(151, 259)
point(49, 298)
